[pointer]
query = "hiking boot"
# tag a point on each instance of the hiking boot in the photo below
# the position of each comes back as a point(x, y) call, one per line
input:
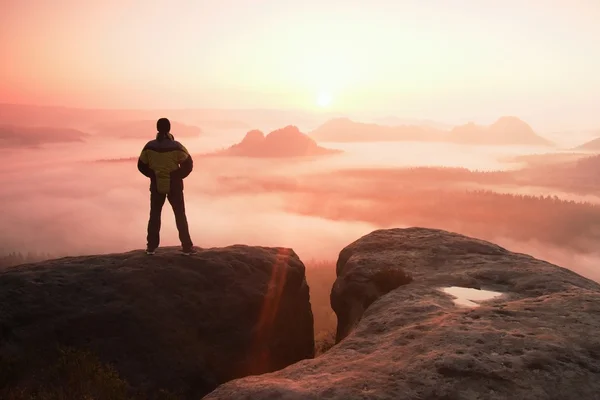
point(188, 251)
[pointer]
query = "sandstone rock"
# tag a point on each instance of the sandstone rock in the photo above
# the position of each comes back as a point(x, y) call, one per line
point(537, 341)
point(183, 324)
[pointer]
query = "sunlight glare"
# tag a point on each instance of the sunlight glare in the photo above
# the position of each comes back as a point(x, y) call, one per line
point(324, 99)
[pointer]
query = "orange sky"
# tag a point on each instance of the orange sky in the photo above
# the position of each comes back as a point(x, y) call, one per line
point(434, 57)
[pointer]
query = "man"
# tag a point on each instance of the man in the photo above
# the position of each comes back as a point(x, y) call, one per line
point(166, 162)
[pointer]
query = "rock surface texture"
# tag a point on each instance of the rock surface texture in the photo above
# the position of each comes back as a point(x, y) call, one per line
point(404, 338)
point(182, 324)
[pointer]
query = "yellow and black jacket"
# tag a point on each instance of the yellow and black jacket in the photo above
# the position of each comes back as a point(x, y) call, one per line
point(166, 162)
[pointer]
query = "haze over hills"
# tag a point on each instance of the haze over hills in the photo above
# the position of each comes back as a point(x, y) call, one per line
point(505, 131)
point(142, 129)
point(347, 130)
point(89, 118)
point(284, 142)
point(13, 136)
point(592, 145)
point(578, 174)
point(391, 120)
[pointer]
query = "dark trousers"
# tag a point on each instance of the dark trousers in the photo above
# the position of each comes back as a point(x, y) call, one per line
point(157, 200)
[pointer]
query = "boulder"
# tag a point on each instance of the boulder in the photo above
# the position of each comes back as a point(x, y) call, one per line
point(164, 322)
point(535, 340)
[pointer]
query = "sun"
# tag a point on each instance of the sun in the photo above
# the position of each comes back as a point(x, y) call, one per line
point(324, 99)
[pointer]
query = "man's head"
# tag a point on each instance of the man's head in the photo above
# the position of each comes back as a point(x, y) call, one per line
point(163, 126)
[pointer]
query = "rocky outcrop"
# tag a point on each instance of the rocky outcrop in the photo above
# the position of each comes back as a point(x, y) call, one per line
point(362, 280)
point(412, 341)
point(285, 142)
point(182, 324)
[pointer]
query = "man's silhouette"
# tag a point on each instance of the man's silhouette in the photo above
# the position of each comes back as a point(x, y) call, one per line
point(166, 162)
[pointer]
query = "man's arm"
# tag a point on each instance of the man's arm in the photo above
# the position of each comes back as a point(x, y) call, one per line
point(186, 164)
point(143, 164)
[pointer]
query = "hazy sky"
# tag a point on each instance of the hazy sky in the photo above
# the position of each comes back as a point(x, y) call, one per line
point(433, 58)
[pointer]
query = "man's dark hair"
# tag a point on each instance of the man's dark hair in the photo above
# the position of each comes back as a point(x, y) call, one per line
point(163, 126)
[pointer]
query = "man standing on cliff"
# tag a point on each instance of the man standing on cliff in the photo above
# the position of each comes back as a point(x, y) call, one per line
point(166, 162)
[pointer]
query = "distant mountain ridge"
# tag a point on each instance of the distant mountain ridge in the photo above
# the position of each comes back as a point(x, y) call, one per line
point(12, 136)
point(506, 130)
point(208, 118)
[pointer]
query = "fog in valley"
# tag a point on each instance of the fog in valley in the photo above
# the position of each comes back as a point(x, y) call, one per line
point(85, 195)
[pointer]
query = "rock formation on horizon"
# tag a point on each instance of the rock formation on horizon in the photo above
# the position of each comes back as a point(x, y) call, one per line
point(402, 337)
point(182, 324)
point(285, 142)
point(505, 131)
